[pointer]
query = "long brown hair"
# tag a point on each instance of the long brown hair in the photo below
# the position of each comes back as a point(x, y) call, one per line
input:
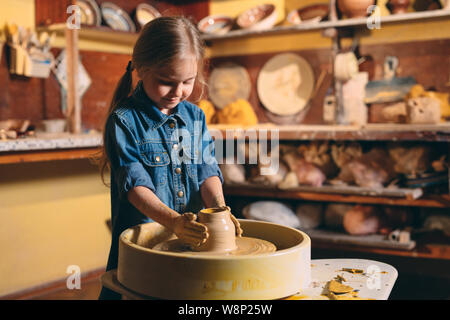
point(160, 42)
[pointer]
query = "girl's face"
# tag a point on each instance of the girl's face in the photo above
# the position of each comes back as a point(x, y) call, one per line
point(168, 85)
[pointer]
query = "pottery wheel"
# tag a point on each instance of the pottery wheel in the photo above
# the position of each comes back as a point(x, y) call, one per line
point(245, 246)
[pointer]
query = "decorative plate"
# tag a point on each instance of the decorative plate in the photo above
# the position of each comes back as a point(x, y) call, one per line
point(227, 83)
point(90, 12)
point(285, 84)
point(117, 18)
point(146, 13)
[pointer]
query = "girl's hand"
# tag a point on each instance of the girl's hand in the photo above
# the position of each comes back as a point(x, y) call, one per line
point(236, 223)
point(190, 231)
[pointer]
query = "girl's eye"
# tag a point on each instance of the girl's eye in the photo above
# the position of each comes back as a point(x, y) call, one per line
point(166, 83)
point(189, 81)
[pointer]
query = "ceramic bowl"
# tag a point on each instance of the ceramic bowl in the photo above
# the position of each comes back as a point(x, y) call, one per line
point(215, 24)
point(145, 13)
point(54, 125)
point(312, 13)
point(262, 17)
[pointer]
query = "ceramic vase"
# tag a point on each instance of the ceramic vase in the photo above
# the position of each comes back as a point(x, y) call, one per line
point(355, 8)
point(399, 6)
point(222, 234)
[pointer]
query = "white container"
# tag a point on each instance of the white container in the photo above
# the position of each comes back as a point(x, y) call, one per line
point(54, 125)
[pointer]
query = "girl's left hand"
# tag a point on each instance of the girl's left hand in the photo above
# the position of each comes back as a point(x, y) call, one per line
point(236, 223)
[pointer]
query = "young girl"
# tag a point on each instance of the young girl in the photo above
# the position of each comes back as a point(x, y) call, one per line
point(156, 143)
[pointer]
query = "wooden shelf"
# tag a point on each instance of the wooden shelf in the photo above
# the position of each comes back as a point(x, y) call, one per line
point(436, 201)
point(430, 250)
point(109, 40)
point(369, 132)
point(413, 16)
point(47, 155)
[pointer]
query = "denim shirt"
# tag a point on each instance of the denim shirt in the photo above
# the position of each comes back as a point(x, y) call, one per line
point(172, 155)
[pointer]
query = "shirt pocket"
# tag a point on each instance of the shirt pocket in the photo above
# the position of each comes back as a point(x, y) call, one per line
point(190, 160)
point(156, 163)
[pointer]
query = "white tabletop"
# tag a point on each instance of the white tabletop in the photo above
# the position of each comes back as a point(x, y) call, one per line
point(375, 282)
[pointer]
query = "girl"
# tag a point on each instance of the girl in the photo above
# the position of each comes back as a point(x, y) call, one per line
point(156, 143)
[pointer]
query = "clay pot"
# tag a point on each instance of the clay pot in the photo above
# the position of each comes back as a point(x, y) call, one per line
point(355, 8)
point(399, 6)
point(222, 233)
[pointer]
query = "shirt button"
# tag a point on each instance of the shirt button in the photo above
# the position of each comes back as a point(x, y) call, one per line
point(180, 193)
point(175, 146)
point(178, 170)
point(172, 125)
point(158, 159)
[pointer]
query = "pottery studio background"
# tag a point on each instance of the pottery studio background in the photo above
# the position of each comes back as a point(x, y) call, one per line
point(360, 104)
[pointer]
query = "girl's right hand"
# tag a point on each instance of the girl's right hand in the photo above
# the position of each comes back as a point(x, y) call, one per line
point(190, 231)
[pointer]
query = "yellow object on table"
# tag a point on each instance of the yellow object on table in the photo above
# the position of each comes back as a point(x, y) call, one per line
point(208, 109)
point(239, 112)
point(418, 91)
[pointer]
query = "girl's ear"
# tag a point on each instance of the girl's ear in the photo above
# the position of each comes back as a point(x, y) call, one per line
point(140, 73)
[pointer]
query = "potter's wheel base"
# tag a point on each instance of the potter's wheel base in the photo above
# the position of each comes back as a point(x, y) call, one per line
point(245, 246)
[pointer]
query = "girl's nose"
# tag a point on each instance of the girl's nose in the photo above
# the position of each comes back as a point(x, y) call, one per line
point(178, 90)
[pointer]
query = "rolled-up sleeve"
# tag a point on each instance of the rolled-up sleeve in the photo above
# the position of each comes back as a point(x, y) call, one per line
point(123, 153)
point(208, 165)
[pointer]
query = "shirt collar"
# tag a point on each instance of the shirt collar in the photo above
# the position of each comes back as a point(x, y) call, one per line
point(154, 117)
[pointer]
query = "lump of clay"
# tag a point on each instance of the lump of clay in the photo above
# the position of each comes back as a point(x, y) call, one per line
point(410, 160)
point(233, 173)
point(289, 181)
point(208, 109)
point(438, 222)
point(272, 211)
point(372, 170)
point(423, 110)
point(239, 112)
point(310, 215)
point(319, 154)
point(334, 215)
point(307, 173)
point(363, 220)
point(343, 153)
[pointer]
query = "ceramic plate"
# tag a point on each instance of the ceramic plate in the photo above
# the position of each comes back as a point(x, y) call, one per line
point(227, 83)
point(90, 12)
point(146, 13)
point(117, 18)
point(285, 84)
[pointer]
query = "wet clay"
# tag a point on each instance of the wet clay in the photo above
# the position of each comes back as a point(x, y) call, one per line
point(244, 246)
point(222, 238)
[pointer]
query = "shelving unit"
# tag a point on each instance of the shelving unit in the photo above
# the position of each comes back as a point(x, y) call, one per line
point(106, 39)
point(354, 22)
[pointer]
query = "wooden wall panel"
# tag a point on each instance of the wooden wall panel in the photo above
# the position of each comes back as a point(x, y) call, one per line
point(51, 11)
